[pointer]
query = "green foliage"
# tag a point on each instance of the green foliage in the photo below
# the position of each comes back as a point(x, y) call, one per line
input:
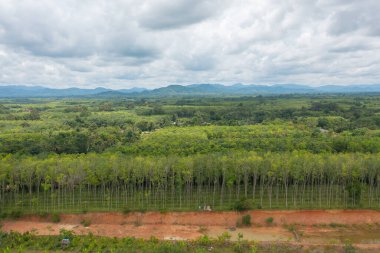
point(243, 204)
point(239, 153)
point(3, 215)
point(66, 234)
point(85, 223)
point(29, 242)
point(93, 125)
point(223, 238)
point(15, 214)
point(43, 214)
point(269, 220)
point(348, 247)
point(246, 220)
point(204, 240)
point(236, 181)
point(164, 210)
point(354, 190)
point(126, 210)
point(55, 217)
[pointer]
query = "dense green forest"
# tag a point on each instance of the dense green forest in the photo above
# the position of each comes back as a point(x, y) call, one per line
point(180, 153)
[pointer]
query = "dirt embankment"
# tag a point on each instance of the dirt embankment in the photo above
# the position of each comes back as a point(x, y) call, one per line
point(312, 217)
point(313, 227)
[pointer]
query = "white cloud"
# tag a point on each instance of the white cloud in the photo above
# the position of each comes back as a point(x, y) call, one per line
point(150, 43)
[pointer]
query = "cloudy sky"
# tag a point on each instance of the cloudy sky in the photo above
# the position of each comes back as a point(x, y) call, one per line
point(152, 43)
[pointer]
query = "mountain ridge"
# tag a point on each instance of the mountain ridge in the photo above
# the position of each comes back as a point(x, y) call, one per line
point(20, 91)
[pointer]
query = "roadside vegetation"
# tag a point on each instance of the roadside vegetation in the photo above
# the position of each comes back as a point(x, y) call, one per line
point(69, 242)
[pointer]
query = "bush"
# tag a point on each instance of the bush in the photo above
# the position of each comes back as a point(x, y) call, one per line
point(43, 214)
point(126, 210)
point(225, 237)
point(204, 240)
point(246, 220)
point(15, 214)
point(242, 204)
point(66, 234)
point(348, 248)
point(85, 223)
point(55, 217)
point(3, 215)
point(269, 220)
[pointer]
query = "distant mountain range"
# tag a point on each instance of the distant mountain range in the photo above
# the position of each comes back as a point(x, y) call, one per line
point(12, 91)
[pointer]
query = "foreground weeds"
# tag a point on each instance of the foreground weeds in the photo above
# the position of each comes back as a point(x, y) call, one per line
point(30, 242)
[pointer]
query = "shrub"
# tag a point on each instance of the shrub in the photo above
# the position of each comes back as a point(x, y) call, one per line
point(225, 237)
point(126, 210)
point(242, 204)
point(348, 248)
point(204, 240)
point(66, 234)
point(269, 220)
point(43, 214)
point(246, 220)
point(3, 215)
point(15, 214)
point(55, 217)
point(85, 223)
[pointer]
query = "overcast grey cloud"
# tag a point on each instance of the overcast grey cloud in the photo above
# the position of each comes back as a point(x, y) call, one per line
point(125, 43)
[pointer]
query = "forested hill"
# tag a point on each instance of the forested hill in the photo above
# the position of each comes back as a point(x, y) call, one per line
point(11, 91)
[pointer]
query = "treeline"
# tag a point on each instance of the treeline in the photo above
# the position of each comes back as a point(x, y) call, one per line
point(358, 112)
point(115, 181)
point(284, 137)
point(333, 124)
point(68, 142)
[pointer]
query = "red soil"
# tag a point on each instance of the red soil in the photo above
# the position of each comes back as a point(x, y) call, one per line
point(228, 219)
point(190, 225)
